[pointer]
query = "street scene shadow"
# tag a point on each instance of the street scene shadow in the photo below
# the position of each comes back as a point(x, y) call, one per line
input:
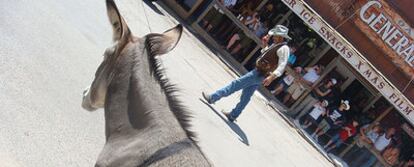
point(153, 7)
point(233, 126)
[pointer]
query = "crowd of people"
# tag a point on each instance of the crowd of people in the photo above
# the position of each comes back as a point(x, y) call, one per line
point(324, 112)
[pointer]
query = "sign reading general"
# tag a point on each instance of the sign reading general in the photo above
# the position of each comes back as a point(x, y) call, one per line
point(354, 57)
point(391, 33)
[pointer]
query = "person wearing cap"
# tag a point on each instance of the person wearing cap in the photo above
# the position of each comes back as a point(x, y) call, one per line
point(276, 56)
point(333, 119)
point(318, 93)
point(314, 117)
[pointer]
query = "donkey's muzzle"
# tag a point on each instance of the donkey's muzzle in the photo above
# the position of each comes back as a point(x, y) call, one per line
point(86, 102)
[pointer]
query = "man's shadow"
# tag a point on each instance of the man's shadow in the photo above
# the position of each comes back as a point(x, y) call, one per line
point(233, 126)
point(153, 7)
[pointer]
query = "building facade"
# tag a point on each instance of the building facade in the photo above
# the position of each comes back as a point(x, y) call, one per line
point(366, 45)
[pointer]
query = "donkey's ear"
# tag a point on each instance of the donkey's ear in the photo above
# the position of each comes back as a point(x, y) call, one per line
point(163, 43)
point(120, 29)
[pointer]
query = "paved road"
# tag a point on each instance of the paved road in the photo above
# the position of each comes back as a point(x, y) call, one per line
point(49, 51)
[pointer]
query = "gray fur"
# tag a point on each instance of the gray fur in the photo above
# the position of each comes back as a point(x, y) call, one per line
point(145, 124)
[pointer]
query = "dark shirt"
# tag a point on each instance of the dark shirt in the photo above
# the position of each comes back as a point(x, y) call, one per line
point(334, 115)
point(334, 98)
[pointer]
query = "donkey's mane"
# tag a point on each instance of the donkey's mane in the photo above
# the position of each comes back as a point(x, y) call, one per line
point(170, 89)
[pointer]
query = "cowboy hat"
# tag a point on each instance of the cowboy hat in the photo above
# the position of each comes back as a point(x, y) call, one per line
point(325, 103)
point(346, 103)
point(280, 30)
point(334, 81)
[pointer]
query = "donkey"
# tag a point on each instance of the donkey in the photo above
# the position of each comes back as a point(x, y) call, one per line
point(145, 125)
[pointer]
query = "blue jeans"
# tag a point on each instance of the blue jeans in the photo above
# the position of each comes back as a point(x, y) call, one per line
point(337, 140)
point(248, 82)
point(371, 161)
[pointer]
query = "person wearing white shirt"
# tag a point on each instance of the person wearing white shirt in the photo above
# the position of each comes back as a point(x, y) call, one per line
point(380, 144)
point(251, 81)
point(319, 109)
point(297, 88)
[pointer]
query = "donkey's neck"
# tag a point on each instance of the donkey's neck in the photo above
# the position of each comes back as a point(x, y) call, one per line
point(136, 103)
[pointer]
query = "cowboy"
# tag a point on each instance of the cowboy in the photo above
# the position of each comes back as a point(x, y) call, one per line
point(270, 65)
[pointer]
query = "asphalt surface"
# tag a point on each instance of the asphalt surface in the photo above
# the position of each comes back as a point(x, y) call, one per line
point(49, 51)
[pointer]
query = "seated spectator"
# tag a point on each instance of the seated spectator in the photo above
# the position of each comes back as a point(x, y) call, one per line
point(314, 117)
point(380, 144)
point(333, 119)
point(297, 88)
point(342, 136)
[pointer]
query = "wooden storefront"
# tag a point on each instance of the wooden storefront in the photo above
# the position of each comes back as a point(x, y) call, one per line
point(351, 51)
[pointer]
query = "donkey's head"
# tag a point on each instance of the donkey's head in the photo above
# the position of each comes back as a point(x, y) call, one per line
point(124, 44)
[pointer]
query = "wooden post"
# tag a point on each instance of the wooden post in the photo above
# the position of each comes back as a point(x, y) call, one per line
point(250, 55)
point(204, 12)
point(261, 5)
point(285, 17)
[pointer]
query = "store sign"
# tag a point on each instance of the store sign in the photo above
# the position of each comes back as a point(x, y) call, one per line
point(391, 33)
point(353, 57)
